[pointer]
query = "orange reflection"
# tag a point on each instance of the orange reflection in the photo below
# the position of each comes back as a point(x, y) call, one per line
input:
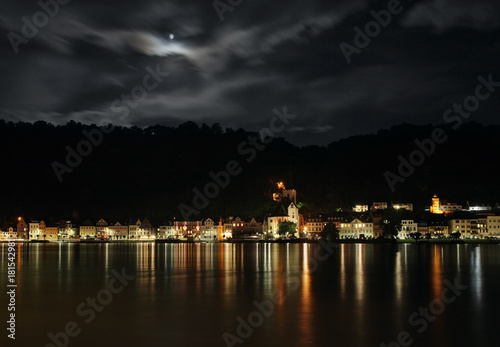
point(437, 276)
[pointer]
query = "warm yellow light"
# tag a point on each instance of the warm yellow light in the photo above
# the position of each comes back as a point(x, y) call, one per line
point(281, 185)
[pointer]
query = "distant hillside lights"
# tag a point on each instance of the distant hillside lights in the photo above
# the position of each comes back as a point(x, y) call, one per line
point(425, 148)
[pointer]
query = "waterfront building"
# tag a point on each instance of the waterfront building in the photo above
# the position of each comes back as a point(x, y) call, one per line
point(356, 229)
point(133, 230)
point(187, 229)
point(228, 228)
point(87, 230)
point(209, 230)
point(438, 229)
point(252, 228)
point(493, 226)
point(9, 234)
point(68, 230)
point(22, 229)
point(314, 224)
point(146, 229)
point(292, 216)
point(118, 231)
point(34, 230)
point(408, 226)
point(52, 232)
point(377, 225)
point(237, 228)
point(102, 228)
point(165, 231)
point(468, 228)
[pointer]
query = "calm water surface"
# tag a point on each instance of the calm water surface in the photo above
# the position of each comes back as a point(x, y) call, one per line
point(197, 294)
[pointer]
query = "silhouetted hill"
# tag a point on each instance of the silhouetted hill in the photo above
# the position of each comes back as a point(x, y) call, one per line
point(148, 172)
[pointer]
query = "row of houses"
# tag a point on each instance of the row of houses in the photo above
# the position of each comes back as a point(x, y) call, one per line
point(361, 223)
point(311, 226)
point(380, 206)
point(206, 229)
point(39, 230)
point(370, 226)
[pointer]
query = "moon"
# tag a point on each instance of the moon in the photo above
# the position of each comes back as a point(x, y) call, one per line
point(171, 36)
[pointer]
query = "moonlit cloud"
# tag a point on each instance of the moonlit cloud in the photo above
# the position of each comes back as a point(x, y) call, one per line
point(263, 55)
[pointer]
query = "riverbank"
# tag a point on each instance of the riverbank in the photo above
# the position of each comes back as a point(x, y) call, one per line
point(235, 241)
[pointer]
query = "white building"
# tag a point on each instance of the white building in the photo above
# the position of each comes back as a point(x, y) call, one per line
point(133, 230)
point(450, 207)
point(34, 230)
point(166, 231)
point(408, 226)
point(209, 230)
point(356, 230)
point(37, 230)
point(360, 208)
point(118, 231)
point(479, 208)
point(274, 221)
point(146, 229)
point(9, 234)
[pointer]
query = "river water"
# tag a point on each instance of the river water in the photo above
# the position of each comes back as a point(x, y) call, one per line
point(255, 295)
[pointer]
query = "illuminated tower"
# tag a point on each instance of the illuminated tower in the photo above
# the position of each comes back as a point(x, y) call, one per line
point(220, 230)
point(279, 195)
point(436, 206)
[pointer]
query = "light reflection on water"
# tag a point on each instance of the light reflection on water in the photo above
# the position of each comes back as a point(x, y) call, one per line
point(191, 294)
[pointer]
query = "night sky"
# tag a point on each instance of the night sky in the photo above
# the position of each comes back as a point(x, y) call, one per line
point(262, 55)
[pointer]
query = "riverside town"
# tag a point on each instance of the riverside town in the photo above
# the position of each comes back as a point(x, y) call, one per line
point(376, 221)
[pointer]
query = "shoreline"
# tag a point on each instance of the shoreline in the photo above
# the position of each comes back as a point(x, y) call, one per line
point(235, 241)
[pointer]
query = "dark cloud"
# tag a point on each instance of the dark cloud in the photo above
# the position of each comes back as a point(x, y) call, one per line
point(263, 55)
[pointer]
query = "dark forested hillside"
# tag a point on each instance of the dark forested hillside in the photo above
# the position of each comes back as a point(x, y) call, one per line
point(138, 172)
